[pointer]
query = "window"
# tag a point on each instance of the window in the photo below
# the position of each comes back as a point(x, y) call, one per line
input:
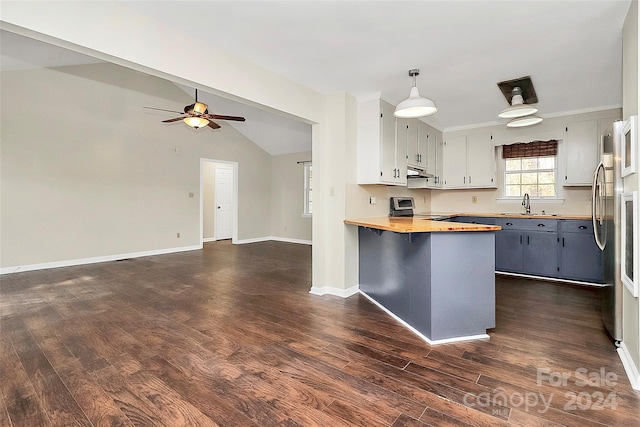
point(308, 194)
point(530, 168)
point(533, 175)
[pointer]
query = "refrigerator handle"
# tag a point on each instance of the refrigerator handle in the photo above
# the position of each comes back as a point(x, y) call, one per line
point(594, 204)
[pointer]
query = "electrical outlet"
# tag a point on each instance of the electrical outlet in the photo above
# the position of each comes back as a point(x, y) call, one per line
point(332, 191)
point(372, 200)
point(474, 199)
point(191, 195)
point(178, 235)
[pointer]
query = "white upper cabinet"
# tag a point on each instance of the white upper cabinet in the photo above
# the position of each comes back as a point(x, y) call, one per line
point(469, 162)
point(455, 162)
point(381, 158)
point(426, 153)
point(417, 143)
point(581, 152)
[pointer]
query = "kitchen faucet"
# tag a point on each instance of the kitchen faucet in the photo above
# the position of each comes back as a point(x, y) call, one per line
point(526, 203)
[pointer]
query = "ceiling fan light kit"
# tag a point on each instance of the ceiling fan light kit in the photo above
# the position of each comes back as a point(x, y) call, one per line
point(415, 106)
point(196, 122)
point(197, 115)
point(520, 94)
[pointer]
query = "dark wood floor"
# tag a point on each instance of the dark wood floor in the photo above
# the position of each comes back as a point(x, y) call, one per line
point(230, 336)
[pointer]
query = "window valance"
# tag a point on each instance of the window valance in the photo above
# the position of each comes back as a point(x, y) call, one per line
point(530, 149)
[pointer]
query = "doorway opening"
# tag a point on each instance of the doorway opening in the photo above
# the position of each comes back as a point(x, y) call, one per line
point(218, 200)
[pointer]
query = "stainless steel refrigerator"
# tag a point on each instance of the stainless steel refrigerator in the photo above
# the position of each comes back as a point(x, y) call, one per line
point(606, 216)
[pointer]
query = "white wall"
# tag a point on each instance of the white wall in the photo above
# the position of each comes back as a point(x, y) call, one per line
point(631, 305)
point(577, 200)
point(87, 172)
point(287, 198)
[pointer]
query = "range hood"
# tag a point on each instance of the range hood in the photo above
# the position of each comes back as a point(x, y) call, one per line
point(414, 172)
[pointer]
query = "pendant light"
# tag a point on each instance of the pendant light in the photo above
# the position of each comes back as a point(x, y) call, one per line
point(517, 108)
point(415, 106)
point(520, 122)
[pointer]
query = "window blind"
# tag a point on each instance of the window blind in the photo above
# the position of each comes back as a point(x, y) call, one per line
point(530, 149)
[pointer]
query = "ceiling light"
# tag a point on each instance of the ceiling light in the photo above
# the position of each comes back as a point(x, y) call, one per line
point(196, 122)
point(518, 108)
point(520, 122)
point(415, 106)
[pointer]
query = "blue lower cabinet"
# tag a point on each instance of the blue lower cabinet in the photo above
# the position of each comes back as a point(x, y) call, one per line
point(580, 257)
point(563, 249)
point(541, 253)
point(509, 251)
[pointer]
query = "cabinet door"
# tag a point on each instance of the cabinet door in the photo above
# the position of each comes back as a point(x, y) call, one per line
point(481, 169)
point(509, 251)
point(541, 253)
point(430, 154)
point(455, 162)
point(422, 136)
point(388, 145)
point(581, 152)
point(580, 258)
point(401, 162)
point(439, 163)
point(413, 151)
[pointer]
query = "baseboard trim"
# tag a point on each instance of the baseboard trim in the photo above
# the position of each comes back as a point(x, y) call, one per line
point(272, 238)
point(94, 260)
point(420, 334)
point(338, 292)
point(208, 239)
point(629, 367)
point(289, 240)
point(552, 279)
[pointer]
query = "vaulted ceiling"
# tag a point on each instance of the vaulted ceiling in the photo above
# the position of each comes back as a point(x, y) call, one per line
point(571, 49)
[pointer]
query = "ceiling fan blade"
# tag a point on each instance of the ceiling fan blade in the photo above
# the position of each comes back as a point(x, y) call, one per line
point(173, 120)
point(219, 117)
point(213, 125)
point(162, 109)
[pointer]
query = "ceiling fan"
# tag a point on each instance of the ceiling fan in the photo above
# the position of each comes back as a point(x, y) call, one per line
point(197, 115)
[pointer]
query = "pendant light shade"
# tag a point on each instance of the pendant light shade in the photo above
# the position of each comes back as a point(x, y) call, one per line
point(415, 106)
point(518, 108)
point(520, 122)
point(521, 114)
point(196, 122)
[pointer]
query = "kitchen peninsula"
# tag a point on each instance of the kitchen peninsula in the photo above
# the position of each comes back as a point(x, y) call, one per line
point(436, 277)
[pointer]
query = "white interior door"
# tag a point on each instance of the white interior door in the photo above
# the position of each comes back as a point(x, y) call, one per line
point(224, 202)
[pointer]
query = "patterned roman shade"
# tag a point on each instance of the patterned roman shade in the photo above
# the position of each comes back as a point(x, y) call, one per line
point(530, 149)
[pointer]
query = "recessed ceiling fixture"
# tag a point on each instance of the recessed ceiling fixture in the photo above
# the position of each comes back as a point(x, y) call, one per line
point(520, 95)
point(415, 106)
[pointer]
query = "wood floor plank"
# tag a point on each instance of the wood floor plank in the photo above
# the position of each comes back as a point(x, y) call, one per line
point(60, 406)
point(21, 402)
point(230, 336)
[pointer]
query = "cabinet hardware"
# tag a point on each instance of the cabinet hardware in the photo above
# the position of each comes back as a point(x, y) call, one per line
point(563, 242)
point(583, 227)
point(521, 239)
point(541, 225)
point(464, 179)
point(469, 179)
point(528, 239)
point(509, 223)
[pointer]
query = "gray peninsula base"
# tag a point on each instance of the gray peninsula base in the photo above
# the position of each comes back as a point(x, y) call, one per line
point(440, 284)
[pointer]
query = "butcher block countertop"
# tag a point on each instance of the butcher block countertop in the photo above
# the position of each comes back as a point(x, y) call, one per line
point(533, 215)
point(417, 225)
